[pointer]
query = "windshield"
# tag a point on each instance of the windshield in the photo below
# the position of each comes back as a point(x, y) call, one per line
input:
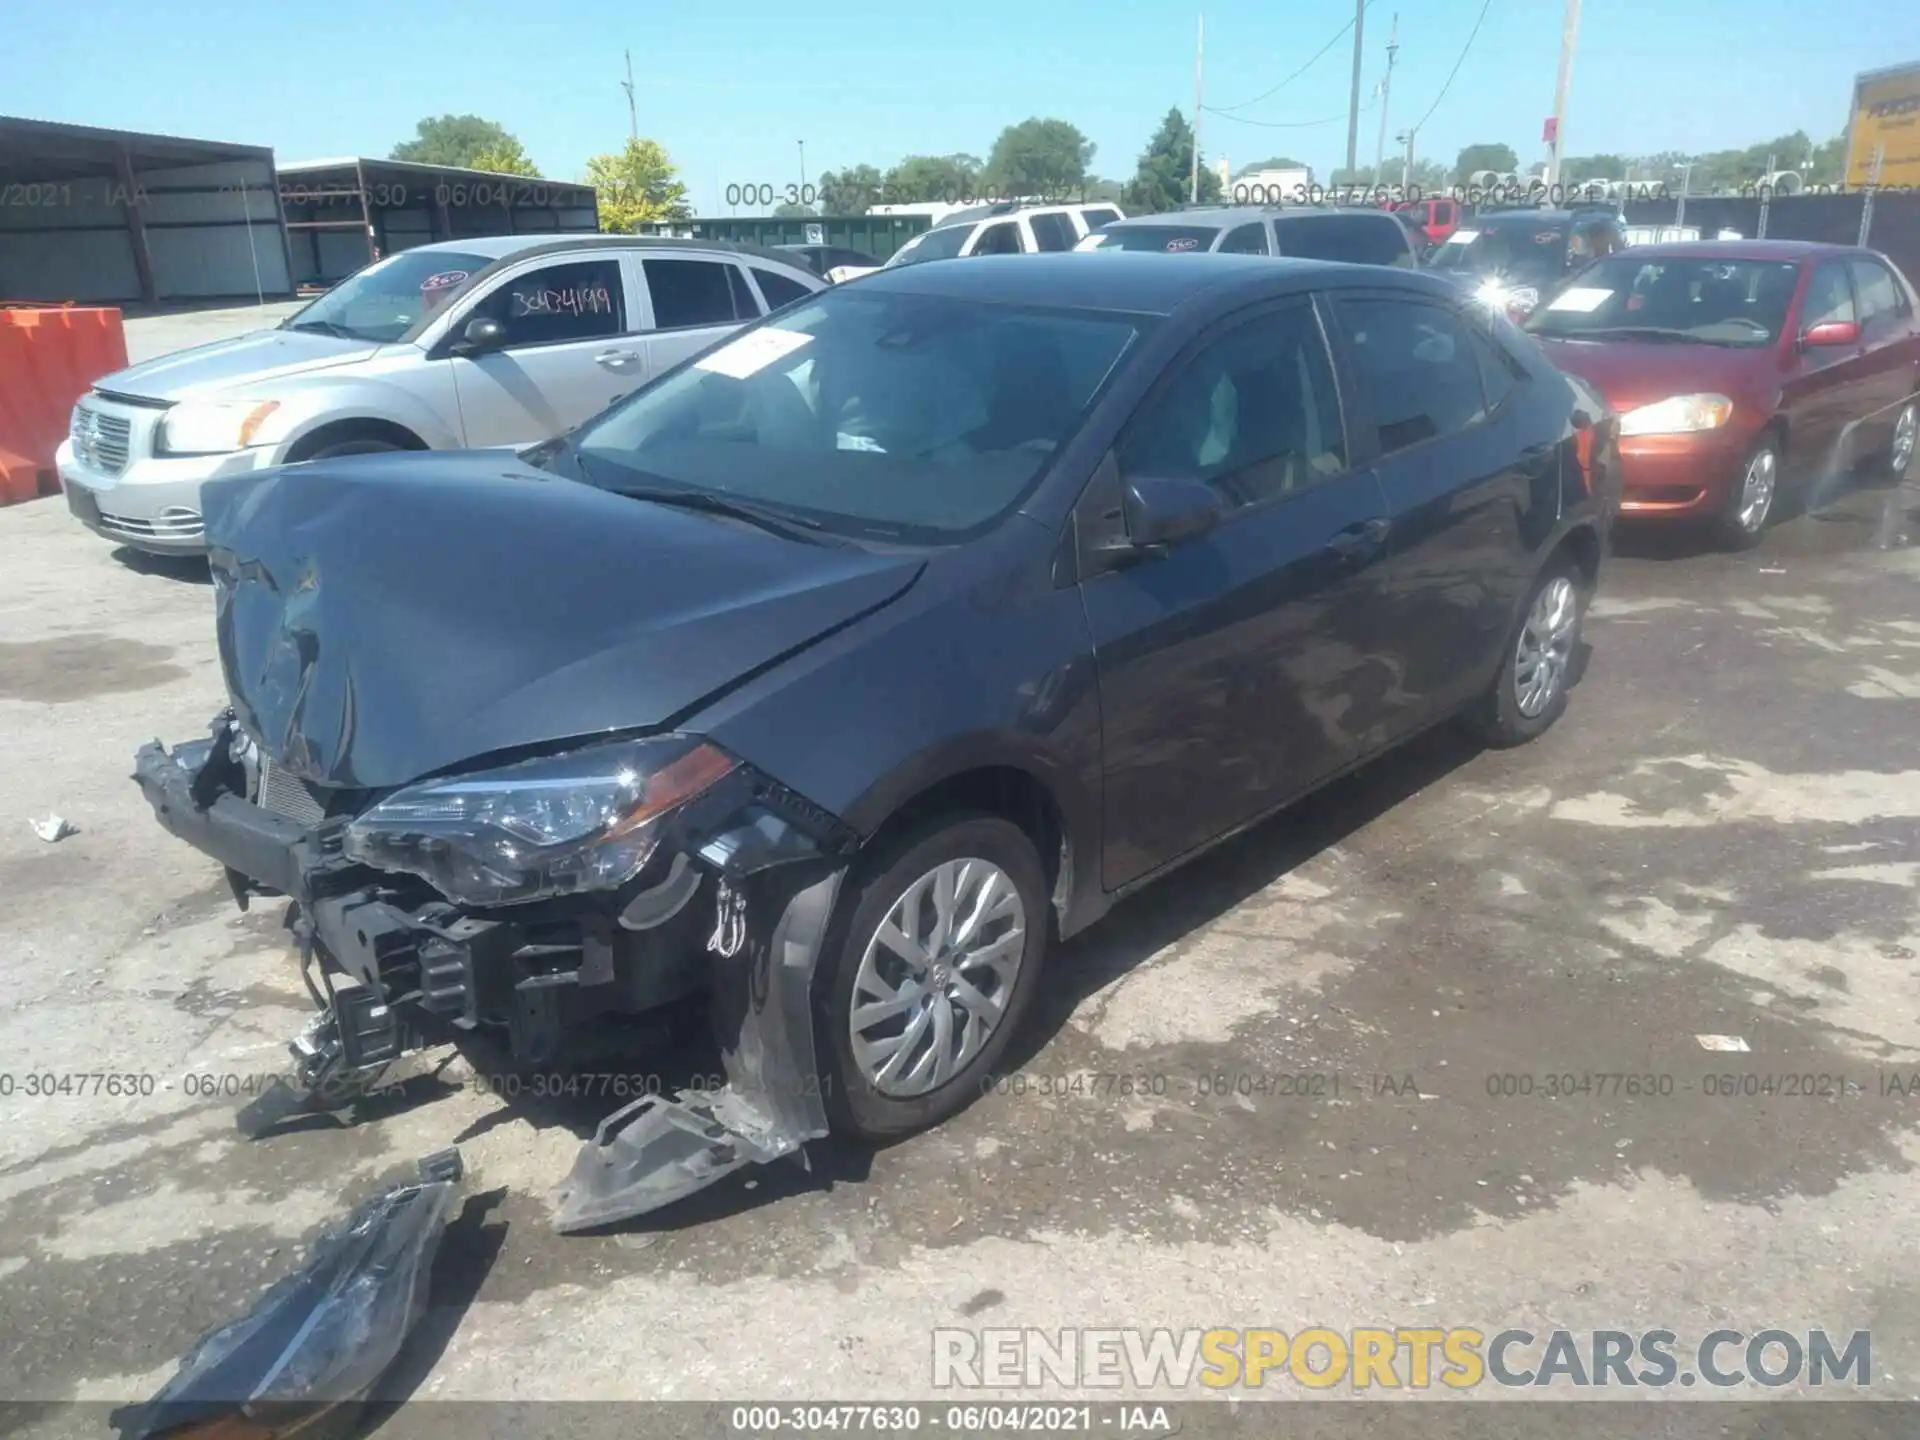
point(897, 416)
point(1714, 302)
point(1529, 252)
point(941, 244)
point(1174, 238)
point(389, 297)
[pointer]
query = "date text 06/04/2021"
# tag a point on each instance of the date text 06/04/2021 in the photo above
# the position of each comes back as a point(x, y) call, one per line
point(968, 1419)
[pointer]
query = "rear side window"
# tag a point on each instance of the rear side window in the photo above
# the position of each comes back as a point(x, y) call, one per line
point(1418, 373)
point(1356, 239)
point(556, 303)
point(1052, 231)
point(779, 289)
point(1247, 240)
point(1096, 218)
point(745, 306)
point(691, 292)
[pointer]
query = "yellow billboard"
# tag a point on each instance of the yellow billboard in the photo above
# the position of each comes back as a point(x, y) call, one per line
point(1886, 117)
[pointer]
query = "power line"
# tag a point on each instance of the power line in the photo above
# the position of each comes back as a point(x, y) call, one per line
point(1289, 124)
point(1317, 55)
point(1471, 37)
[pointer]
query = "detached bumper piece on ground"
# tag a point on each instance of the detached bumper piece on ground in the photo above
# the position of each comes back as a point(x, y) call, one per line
point(322, 1337)
point(392, 967)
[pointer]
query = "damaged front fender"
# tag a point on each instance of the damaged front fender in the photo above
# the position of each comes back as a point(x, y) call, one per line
point(777, 893)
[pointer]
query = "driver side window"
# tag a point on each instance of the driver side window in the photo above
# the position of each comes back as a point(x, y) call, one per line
point(1829, 297)
point(581, 300)
point(1254, 414)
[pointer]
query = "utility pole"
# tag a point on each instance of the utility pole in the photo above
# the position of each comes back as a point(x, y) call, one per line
point(633, 115)
point(1569, 32)
point(1406, 173)
point(1680, 206)
point(1386, 89)
point(1199, 56)
point(803, 170)
point(1866, 200)
point(1353, 97)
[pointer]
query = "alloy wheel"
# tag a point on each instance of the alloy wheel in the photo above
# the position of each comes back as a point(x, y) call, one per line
point(1905, 430)
point(936, 975)
point(1757, 488)
point(1545, 647)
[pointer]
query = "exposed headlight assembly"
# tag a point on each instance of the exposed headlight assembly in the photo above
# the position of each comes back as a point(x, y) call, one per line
point(213, 427)
point(588, 820)
point(1678, 415)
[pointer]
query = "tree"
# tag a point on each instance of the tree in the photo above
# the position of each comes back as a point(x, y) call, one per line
point(791, 210)
point(457, 140)
point(637, 186)
point(923, 178)
point(1484, 156)
point(506, 159)
point(1163, 177)
point(851, 191)
point(1038, 157)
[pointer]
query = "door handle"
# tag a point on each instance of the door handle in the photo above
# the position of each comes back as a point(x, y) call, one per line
point(1360, 540)
point(614, 359)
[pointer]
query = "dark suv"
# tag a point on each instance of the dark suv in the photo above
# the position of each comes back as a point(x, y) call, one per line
point(1509, 258)
point(1357, 236)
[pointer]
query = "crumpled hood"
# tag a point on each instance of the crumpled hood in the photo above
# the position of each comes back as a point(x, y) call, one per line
point(385, 617)
point(264, 355)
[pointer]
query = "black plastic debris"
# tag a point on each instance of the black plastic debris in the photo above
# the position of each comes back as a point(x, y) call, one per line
point(320, 1338)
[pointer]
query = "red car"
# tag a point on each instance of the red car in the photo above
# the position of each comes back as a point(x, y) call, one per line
point(1747, 373)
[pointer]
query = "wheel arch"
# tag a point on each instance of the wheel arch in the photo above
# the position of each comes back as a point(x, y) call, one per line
point(355, 427)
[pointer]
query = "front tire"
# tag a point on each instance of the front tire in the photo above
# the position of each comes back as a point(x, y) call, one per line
point(1752, 502)
point(930, 975)
point(1530, 690)
point(365, 446)
point(1906, 438)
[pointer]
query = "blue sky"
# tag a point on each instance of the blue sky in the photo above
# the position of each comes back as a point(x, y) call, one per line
point(729, 88)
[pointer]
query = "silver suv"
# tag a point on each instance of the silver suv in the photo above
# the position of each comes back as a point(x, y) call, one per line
point(494, 341)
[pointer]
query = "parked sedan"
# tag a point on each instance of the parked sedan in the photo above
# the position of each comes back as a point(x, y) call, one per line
point(843, 670)
point(491, 341)
point(1747, 372)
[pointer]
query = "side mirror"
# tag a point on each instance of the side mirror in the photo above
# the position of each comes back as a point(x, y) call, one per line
point(1163, 512)
point(483, 334)
point(1831, 332)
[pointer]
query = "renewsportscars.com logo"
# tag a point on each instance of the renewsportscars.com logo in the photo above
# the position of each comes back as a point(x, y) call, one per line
point(1393, 1358)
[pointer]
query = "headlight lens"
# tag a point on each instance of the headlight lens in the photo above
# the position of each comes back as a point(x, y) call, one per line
point(1678, 415)
point(213, 427)
point(584, 821)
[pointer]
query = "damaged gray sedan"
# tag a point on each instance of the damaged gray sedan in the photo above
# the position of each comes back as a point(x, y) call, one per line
point(838, 672)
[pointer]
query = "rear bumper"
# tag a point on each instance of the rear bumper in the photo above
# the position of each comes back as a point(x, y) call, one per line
point(538, 971)
point(1678, 477)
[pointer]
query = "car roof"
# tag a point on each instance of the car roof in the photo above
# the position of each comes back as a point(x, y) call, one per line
point(1782, 250)
point(1225, 215)
point(513, 247)
point(1131, 282)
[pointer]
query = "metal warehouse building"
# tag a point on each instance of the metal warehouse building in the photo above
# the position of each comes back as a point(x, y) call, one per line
point(343, 213)
point(114, 216)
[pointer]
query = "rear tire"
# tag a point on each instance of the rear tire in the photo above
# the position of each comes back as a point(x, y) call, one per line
point(1529, 692)
point(1754, 500)
point(961, 999)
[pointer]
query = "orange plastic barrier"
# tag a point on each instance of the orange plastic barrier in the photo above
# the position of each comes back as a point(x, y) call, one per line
point(49, 357)
point(17, 479)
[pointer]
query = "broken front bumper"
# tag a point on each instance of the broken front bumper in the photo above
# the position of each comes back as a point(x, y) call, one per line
point(414, 967)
